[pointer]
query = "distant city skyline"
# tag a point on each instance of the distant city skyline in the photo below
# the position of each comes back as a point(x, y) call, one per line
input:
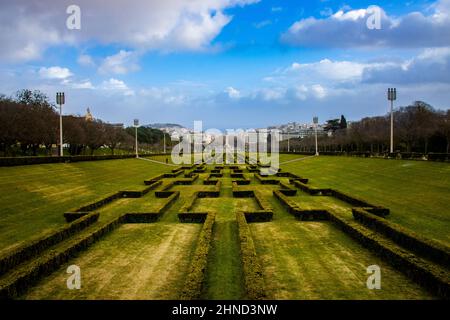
point(230, 63)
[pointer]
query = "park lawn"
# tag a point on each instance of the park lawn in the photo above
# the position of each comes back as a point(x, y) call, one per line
point(315, 260)
point(33, 198)
point(136, 261)
point(417, 192)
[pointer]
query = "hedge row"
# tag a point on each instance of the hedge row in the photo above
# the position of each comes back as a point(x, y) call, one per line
point(265, 213)
point(310, 190)
point(187, 181)
point(237, 175)
point(154, 179)
point(148, 217)
point(253, 274)
point(287, 189)
point(424, 273)
point(195, 278)
point(432, 250)
point(22, 161)
point(19, 280)
point(252, 168)
point(241, 193)
point(82, 211)
point(264, 180)
point(140, 193)
point(296, 211)
point(13, 258)
point(359, 203)
point(211, 193)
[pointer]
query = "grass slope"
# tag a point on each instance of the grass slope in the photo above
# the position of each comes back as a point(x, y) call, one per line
point(418, 193)
point(34, 198)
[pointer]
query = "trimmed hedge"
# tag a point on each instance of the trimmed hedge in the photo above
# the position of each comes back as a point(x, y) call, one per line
point(253, 274)
point(287, 190)
point(77, 213)
point(187, 181)
point(264, 180)
point(23, 161)
point(265, 213)
point(140, 193)
point(192, 217)
point(426, 274)
point(196, 276)
point(242, 193)
point(149, 217)
point(296, 211)
point(13, 258)
point(23, 277)
point(427, 248)
point(154, 179)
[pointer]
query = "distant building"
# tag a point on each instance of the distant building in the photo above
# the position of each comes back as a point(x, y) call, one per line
point(88, 117)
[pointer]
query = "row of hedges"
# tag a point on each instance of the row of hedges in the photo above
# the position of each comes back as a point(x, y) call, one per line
point(287, 189)
point(352, 200)
point(22, 161)
point(19, 280)
point(424, 273)
point(264, 180)
point(241, 193)
point(140, 193)
point(154, 179)
point(432, 250)
point(187, 181)
point(13, 258)
point(265, 213)
point(187, 216)
point(296, 211)
point(253, 274)
point(148, 217)
point(196, 276)
point(445, 157)
point(82, 211)
point(211, 193)
point(253, 168)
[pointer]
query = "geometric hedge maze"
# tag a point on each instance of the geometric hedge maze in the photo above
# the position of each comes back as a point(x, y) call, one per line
point(424, 261)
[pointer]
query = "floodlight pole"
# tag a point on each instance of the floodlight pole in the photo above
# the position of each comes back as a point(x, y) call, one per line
point(316, 121)
point(289, 147)
point(60, 99)
point(164, 142)
point(136, 124)
point(392, 96)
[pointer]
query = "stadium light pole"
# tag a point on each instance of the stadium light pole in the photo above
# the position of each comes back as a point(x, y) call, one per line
point(60, 99)
point(289, 147)
point(316, 121)
point(392, 96)
point(164, 142)
point(136, 125)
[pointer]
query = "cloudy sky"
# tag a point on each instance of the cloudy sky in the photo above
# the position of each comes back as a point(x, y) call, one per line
point(230, 63)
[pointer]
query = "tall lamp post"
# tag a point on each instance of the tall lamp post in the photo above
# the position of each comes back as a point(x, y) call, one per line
point(136, 125)
point(289, 145)
point(392, 96)
point(60, 99)
point(164, 142)
point(316, 122)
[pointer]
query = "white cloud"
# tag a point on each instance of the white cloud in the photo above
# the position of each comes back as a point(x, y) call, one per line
point(28, 27)
point(319, 91)
point(233, 93)
point(120, 63)
point(86, 84)
point(117, 85)
point(348, 28)
point(85, 60)
point(55, 73)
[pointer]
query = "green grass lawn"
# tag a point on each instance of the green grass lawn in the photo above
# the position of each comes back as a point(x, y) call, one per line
point(33, 198)
point(136, 261)
point(417, 192)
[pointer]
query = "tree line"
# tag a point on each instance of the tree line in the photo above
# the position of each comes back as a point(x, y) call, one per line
point(29, 125)
point(417, 128)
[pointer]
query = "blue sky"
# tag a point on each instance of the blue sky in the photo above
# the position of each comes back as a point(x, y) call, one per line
point(230, 63)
